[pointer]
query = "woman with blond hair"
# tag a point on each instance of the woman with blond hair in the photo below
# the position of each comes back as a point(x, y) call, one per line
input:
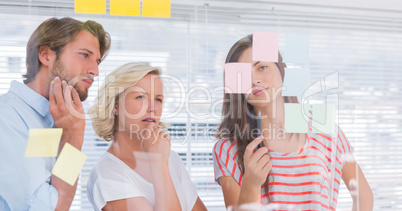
point(299, 170)
point(139, 171)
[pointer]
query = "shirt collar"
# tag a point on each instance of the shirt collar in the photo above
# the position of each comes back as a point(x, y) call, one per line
point(30, 97)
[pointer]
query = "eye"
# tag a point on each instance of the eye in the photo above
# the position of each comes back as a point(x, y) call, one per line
point(85, 55)
point(160, 100)
point(140, 97)
point(263, 67)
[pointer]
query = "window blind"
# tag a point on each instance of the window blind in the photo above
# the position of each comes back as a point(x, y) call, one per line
point(363, 46)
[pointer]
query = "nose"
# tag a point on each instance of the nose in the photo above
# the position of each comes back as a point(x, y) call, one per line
point(93, 68)
point(255, 79)
point(151, 106)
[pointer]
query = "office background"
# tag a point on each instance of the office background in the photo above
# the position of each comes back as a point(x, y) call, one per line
point(357, 42)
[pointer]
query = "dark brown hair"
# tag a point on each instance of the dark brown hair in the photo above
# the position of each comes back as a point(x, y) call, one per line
point(56, 33)
point(239, 120)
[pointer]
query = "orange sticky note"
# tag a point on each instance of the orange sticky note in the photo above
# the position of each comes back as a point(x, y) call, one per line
point(125, 7)
point(265, 46)
point(69, 164)
point(43, 142)
point(156, 8)
point(90, 6)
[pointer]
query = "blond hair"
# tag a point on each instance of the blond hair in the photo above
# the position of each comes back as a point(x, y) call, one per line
point(118, 81)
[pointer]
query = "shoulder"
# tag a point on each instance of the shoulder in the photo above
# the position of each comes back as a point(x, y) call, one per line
point(337, 140)
point(109, 168)
point(175, 158)
point(224, 145)
point(11, 114)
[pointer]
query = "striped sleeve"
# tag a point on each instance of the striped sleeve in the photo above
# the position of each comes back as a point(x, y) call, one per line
point(220, 155)
point(346, 147)
point(225, 160)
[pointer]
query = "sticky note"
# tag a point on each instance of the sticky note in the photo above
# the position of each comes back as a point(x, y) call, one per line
point(156, 8)
point(43, 142)
point(323, 118)
point(125, 7)
point(296, 117)
point(238, 78)
point(90, 6)
point(69, 164)
point(296, 48)
point(295, 82)
point(265, 46)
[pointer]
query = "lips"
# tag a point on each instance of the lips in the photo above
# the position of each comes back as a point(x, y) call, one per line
point(88, 81)
point(147, 120)
point(258, 92)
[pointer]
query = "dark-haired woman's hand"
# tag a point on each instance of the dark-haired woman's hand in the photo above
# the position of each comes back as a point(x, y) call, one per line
point(257, 163)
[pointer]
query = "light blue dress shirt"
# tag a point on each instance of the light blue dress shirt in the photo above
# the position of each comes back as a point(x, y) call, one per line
point(24, 181)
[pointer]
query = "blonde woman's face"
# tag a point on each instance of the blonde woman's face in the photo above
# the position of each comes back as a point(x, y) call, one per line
point(141, 104)
point(266, 80)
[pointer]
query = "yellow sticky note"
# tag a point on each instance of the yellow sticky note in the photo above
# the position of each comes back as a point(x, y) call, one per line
point(69, 164)
point(156, 8)
point(43, 142)
point(125, 7)
point(90, 6)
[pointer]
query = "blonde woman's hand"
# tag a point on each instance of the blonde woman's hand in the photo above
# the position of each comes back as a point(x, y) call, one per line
point(156, 142)
point(257, 163)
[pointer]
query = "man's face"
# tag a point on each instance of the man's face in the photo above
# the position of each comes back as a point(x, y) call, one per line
point(78, 63)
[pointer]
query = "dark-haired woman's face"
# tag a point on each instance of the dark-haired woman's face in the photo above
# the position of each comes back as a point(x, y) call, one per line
point(266, 80)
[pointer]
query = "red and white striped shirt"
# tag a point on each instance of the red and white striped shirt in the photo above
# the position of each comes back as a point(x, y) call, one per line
point(306, 180)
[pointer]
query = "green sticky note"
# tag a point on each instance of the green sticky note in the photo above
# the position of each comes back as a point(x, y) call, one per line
point(43, 142)
point(90, 6)
point(69, 164)
point(296, 118)
point(323, 118)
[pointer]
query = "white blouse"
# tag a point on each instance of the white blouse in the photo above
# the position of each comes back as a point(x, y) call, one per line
point(111, 179)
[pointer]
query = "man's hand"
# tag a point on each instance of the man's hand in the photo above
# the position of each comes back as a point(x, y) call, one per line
point(67, 111)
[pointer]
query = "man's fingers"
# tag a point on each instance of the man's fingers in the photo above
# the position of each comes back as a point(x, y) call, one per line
point(52, 100)
point(58, 92)
point(75, 97)
point(67, 93)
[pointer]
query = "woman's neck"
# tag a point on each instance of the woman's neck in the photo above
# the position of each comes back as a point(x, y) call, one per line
point(124, 145)
point(273, 120)
point(273, 114)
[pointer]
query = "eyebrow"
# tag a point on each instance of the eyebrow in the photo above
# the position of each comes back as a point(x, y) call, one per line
point(146, 93)
point(84, 49)
point(256, 63)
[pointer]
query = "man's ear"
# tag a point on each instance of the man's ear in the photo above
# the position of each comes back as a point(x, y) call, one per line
point(46, 55)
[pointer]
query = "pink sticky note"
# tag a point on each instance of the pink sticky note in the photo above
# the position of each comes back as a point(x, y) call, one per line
point(238, 78)
point(265, 46)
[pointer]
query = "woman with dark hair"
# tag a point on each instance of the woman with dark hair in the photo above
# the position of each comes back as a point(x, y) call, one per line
point(298, 169)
